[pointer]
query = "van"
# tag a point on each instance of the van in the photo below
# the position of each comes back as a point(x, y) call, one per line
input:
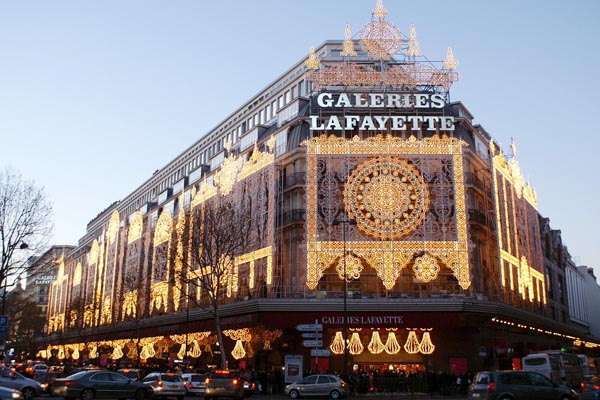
point(562, 368)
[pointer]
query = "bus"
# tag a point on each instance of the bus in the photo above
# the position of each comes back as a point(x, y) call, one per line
point(562, 368)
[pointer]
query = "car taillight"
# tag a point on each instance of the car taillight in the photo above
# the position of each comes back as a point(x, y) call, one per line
point(160, 384)
point(596, 387)
point(343, 384)
point(492, 387)
point(190, 385)
point(207, 381)
point(235, 381)
point(70, 383)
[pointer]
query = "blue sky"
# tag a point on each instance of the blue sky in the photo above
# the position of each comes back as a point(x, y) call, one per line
point(97, 95)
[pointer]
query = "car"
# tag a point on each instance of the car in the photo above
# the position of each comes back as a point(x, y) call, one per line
point(502, 385)
point(223, 383)
point(194, 384)
point(98, 384)
point(590, 388)
point(40, 368)
point(249, 388)
point(165, 384)
point(30, 388)
point(10, 394)
point(132, 373)
point(320, 385)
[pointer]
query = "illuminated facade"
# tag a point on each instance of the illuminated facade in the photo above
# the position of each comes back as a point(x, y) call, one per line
point(380, 213)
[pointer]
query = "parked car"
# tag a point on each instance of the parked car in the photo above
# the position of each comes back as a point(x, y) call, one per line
point(590, 388)
point(12, 379)
point(194, 384)
point(165, 384)
point(132, 373)
point(10, 394)
point(318, 386)
point(517, 385)
point(99, 384)
point(223, 383)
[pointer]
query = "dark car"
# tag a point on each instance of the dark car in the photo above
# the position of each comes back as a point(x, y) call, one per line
point(318, 386)
point(590, 388)
point(10, 394)
point(100, 384)
point(224, 383)
point(14, 380)
point(517, 385)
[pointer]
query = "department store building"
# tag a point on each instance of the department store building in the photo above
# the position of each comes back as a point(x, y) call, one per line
point(387, 231)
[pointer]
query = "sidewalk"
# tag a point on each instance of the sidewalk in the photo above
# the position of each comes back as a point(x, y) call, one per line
point(375, 396)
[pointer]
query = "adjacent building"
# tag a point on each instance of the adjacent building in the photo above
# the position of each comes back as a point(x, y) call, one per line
point(387, 230)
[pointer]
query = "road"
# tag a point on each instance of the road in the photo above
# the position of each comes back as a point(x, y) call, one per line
point(370, 396)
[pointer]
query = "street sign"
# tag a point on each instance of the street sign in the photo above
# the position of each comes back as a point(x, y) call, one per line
point(310, 327)
point(312, 335)
point(312, 343)
point(320, 352)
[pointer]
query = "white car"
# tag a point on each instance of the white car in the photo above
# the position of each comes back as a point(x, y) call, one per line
point(165, 384)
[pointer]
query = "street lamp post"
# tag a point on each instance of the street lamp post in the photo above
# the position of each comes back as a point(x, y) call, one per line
point(343, 222)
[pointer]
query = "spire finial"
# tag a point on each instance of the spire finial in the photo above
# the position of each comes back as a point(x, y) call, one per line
point(312, 62)
point(379, 11)
point(348, 49)
point(413, 44)
point(450, 62)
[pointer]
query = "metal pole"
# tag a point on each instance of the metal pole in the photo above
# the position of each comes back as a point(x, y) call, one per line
point(345, 304)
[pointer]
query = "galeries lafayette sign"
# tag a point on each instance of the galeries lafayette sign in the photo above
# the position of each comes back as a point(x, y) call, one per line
point(408, 101)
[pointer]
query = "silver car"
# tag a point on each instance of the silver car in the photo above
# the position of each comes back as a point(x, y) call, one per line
point(12, 379)
point(194, 384)
point(318, 386)
point(165, 384)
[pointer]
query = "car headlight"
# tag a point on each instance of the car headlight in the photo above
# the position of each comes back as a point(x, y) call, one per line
point(15, 395)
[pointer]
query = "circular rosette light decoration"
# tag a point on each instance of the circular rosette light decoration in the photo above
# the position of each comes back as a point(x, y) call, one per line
point(387, 197)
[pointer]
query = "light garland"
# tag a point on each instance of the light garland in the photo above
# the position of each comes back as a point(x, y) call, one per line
point(412, 343)
point(195, 351)
point(337, 345)
point(355, 346)
point(426, 346)
point(238, 351)
point(391, 345)
point(375, 346)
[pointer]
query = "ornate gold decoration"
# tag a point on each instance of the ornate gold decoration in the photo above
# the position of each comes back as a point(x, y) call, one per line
point(312, 62)
point(159, 295)
point(426, 268)
point(375, 346)
point(387, 196)
point(388, 257)
point(206, 191)
point(426, 346)
point(106, 314)
point(337, 345)
point(164, 228)
point(136, 226)
point(352, 266)
point(238, 351)
point(195, 351)
point(238, 334)
point(77, 275)
point(226, 177)
point(265, 252)
point(348, 49)
point(412, 343)
point(130, 304)
point(93, 254)
point(355, 346)
point(413, 44)
point(380, 38)
point(450, 62)
point(113, 227)
point(93, 347)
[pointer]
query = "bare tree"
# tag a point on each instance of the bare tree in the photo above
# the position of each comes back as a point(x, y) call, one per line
point(220, 232)
point(25, 222)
